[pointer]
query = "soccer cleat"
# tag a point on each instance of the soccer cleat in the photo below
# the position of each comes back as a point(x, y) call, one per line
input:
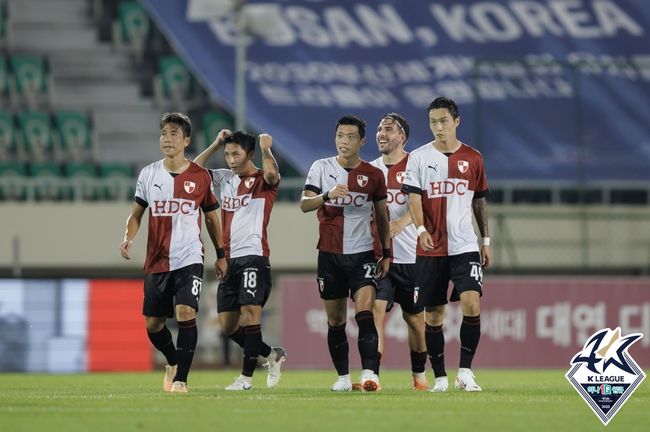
point(179, 387)
point(241, 383)
point(369, 381)
point(170, 373)
point(342, 384)
point(420, 382)
point(440, 385)
point(274, 365)
point(465, 381)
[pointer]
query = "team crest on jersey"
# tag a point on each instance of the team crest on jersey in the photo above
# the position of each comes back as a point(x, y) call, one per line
point(362, 180)
point(463, 166)
point(416, 294)
point(249, 182)
point(189, 186)
point(604, 373)
point(400, 176)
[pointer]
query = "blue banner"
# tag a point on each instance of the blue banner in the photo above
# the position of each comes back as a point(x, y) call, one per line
point(548, 90)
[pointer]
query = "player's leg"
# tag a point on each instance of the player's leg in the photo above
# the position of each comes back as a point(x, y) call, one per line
point(418, 348)
point(379, 315)
point(157, 306)
point(367, 340)
point(251, 318)
point(188, 282)
point(467, 276)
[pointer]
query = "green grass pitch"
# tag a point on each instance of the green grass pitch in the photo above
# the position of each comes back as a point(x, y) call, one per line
point(523, 400)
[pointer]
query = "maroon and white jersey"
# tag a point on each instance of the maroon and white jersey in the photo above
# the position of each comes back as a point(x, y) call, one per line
point(403, 244)
point(345, 223)
point(447, 185)
point(246, 204)
point(174, 214)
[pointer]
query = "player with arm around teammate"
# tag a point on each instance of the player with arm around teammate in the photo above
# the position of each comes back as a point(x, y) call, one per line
point(246, 194)
point(175, 191)
point(347, 193)
point(446, 183)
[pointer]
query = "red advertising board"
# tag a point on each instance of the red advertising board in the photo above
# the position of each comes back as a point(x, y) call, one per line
point(526, 322)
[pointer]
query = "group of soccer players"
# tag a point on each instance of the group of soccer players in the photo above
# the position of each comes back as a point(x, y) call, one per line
point(397, 229)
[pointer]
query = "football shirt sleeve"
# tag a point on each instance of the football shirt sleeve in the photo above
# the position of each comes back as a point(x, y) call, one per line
point(141, 190)
point(412, 179)
point(482, 189)
point(314, 178)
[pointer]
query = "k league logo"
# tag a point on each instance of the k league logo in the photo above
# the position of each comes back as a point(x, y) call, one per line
point(604, 374)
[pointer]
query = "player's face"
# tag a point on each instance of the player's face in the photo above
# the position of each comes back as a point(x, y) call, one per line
point(236, 158)
point(172, 140)
point(443, 125)
point(348, 141)
point(390, 135)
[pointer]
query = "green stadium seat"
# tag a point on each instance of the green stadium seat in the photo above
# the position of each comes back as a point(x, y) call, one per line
point(83, 181)
point(134, 23)
point(212, 122)
point(4, 83)
point(8, 142)
point(118, 181)
point(36, 132)
point(31, 80)
point(75, 136)
point(174, 80)
point(12, 181)
point(3, 24)
point(47, 181)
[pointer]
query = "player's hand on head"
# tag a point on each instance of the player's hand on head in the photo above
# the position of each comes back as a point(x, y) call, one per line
point(266, 141)
point(486, 256)
point(125, 249)
point(223, 133)
point(221, 267)
point(338, 191)
point(426, 243)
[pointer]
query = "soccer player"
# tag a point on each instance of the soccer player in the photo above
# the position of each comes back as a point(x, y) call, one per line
point(175, 190)
point(346, 191)
point(392, 134)
point(446, 183)
point(246, 194)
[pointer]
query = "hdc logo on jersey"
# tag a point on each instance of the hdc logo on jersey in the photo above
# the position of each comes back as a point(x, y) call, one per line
point(604, 374)
point(463, 166)
point(173, 207)
point(362, 180)
point(249, 182)
point(189, 186)
point(233, 203)
point(447, 187)
point(355, 199)
point(396, 196)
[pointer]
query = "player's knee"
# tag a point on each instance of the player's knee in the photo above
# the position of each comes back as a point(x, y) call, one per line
point(435, 316)
point(185, 313)
point(251, 315)
point(414, 321)
point(228, 326)
point(154, 324)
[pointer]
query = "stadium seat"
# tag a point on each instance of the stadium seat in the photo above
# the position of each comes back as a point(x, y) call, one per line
point(118, 181)
point(132, 28)
point(75, 135)
point(212, 122)
point(3, 25)
point(47, 180)
point(8, 142)
point(30, 80)
point(174, 84)
point(12, 181)
point(83, 181)
point(36, 133)
point(4, 83)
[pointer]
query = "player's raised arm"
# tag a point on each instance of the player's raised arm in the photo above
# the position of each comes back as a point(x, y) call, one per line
point(213, 226)
point(132, 227)
point(479, 208)
point(206, 154)
point(269, 164)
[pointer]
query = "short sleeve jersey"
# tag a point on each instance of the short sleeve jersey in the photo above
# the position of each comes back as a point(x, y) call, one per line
point(246, 204)
point(403, 244)
point(175, 204)
point(447, 184)
point(345, 223)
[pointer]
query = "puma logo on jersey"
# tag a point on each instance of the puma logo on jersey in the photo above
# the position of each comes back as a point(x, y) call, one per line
point(435, 168)
point(158, 186)
point(334, 177)
point(251, 292)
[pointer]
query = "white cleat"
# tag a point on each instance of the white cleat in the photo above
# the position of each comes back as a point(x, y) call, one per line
point(465, 381)
point(440, 385)
point(369, 381)
point(179, 387)
point(274, 365)
point(241, 383)
point(343, 384)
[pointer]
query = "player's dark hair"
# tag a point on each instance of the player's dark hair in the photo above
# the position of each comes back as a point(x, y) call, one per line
point(179, 119)
point(244, 139)
point(354, 121)
point(401, 121)
point(445, 103)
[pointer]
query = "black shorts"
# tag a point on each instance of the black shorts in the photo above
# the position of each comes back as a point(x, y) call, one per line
point(248, 282)
point(341, 275)
point(398, 287)
point(433, 275)
point(181, 286)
